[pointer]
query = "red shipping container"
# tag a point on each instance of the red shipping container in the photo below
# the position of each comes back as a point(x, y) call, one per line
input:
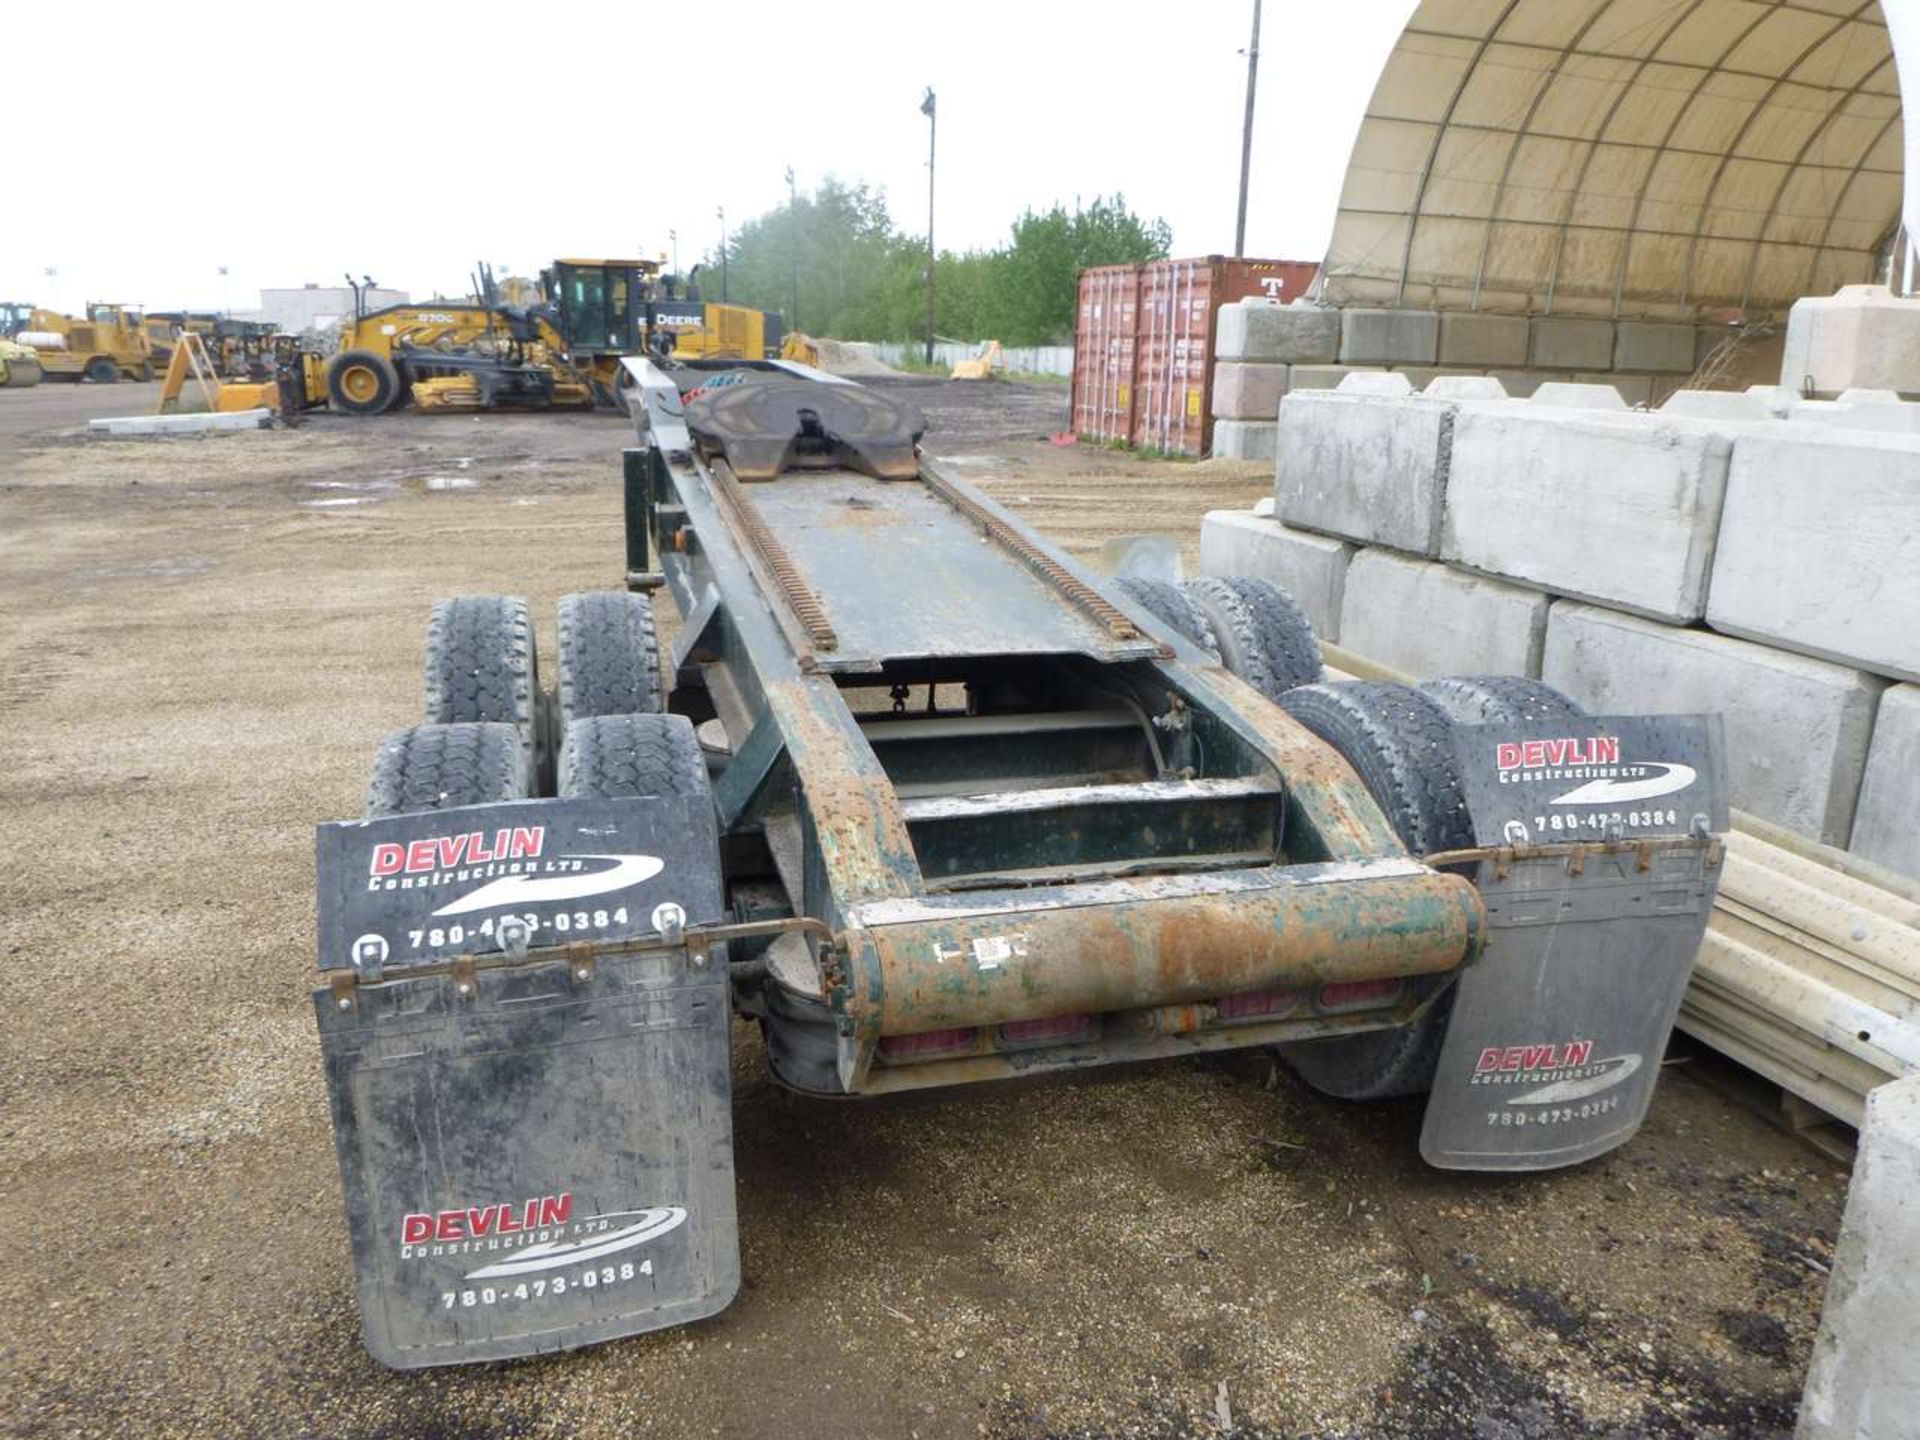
point(1173, 350)
point(1103, 352)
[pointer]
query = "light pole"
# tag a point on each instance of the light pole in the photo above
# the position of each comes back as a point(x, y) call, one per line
point(673, 239)
point(926, 109)
point(793, 235)
point(1246, 136)
point(226, 303)
point(721, 211)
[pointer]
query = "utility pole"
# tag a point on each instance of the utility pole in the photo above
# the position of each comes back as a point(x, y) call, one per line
point(721, 211)
point(793, 217)
point(926, 109)
point(673, 239)
point(1246, 136)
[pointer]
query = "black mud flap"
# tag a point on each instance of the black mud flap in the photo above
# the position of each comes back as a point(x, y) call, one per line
point(1558, 1029)
point(536, 1153)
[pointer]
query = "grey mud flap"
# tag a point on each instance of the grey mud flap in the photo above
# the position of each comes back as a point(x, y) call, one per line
point(1558, 1029)
point(536, 1147)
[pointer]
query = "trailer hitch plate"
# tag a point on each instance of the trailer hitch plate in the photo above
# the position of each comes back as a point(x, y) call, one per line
point(536, 1149)
point(1601, 871)
point(763, 429)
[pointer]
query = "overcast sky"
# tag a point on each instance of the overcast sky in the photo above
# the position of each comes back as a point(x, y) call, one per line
point(290, 143)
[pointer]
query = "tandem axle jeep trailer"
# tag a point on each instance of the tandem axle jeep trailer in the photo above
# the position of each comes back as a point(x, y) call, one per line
point(931, 803)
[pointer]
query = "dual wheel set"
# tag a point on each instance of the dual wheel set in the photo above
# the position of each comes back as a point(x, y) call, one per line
point(493, 733)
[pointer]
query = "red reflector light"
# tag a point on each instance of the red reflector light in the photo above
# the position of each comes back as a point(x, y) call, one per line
point(1358, 994)
point(930, 1045)
point(1259, 1004)
point(1054, 1030)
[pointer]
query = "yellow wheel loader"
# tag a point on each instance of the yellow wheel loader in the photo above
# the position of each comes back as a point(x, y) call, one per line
point(109, 345)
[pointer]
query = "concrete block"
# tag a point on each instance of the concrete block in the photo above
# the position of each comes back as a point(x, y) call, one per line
point(1618, 508)
point(1653, 345)
point(1390, 384)
point(1245, 390)
point(1464, 387)
point(180, 424)
point(1632, 389)
point(1324, 377)
point(1421, 376)
point(1366, 467)
point(1420, 617)
point(1861, 336)
point(1264, 331)
point(1859, 395)
point(1311, 568)
point(1863, 1382)
point(1471, 338)
point(1389, 337)
point(1522, 383)
point(1890, 417)
point(1819, 547)
point(1797, 729)
point(1579, 395)
point(1245, 439)
point(1569, 342)
point(1884, 826)
point(1754, 404)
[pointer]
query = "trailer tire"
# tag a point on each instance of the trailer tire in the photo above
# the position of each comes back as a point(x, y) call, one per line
point(359, 382)
point(102, 371)
point(1263, 635)
point(1481, 699)
point(1167, 602)
point(609, 658)
point(483, 665)
point(630, 757)
point(1400, 742)
point(436, 767)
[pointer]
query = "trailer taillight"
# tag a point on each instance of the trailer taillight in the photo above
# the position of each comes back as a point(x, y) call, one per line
point(930, 1045)
point(1357, 995)
point(1054, 1030)
point(1257, 1005)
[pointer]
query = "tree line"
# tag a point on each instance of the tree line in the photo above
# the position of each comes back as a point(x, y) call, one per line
point(862, 278)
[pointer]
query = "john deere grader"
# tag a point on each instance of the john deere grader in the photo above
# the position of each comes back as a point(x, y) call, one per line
point(932, 804)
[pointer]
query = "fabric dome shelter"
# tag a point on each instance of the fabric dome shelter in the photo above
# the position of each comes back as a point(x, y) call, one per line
point(1671, 158)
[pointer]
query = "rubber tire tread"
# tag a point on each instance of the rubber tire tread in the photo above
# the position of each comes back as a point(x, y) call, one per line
point(1400, 742)
point(102, 371)
point(483, 665)
point(609, 656)
point(390, 391)
point(1264, 636)
point(1488, 699)
point(1168, 603)
point(436, 767)
point(630, 757)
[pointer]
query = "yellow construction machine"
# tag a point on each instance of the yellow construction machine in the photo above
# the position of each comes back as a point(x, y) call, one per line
point(109, 344)
point(477, 354)
point(19, 365)
point(296, 378)
point(982, 365)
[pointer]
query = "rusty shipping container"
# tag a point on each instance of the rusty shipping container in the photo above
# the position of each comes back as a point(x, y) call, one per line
point(1103, 352)
point(1143, 345)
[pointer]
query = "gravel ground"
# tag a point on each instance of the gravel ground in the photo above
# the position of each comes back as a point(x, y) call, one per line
point(203, 640)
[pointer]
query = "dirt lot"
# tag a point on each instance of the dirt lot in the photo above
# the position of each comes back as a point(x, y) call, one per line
point(203, 642)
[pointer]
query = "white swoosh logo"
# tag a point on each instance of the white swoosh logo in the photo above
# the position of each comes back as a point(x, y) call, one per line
point(1618, 1068)
point(554, 1253)
point(1608, 792)
point(531, 889)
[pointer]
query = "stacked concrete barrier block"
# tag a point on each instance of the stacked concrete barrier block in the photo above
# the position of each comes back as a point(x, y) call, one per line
point(1860, 336)
point(1658, 346)
point(1797, 729)
point(1326, 377)
point(1819, 546)
point(1757, 402)
point(1311, 568)
point(1620, 509)
point(1863, 1382)
point(1257, 345)
point(1567, 342)
point(1886, 829)
point(1426, 619)
point(1366, 462)
point(1389, 337)
point(1487, 342)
